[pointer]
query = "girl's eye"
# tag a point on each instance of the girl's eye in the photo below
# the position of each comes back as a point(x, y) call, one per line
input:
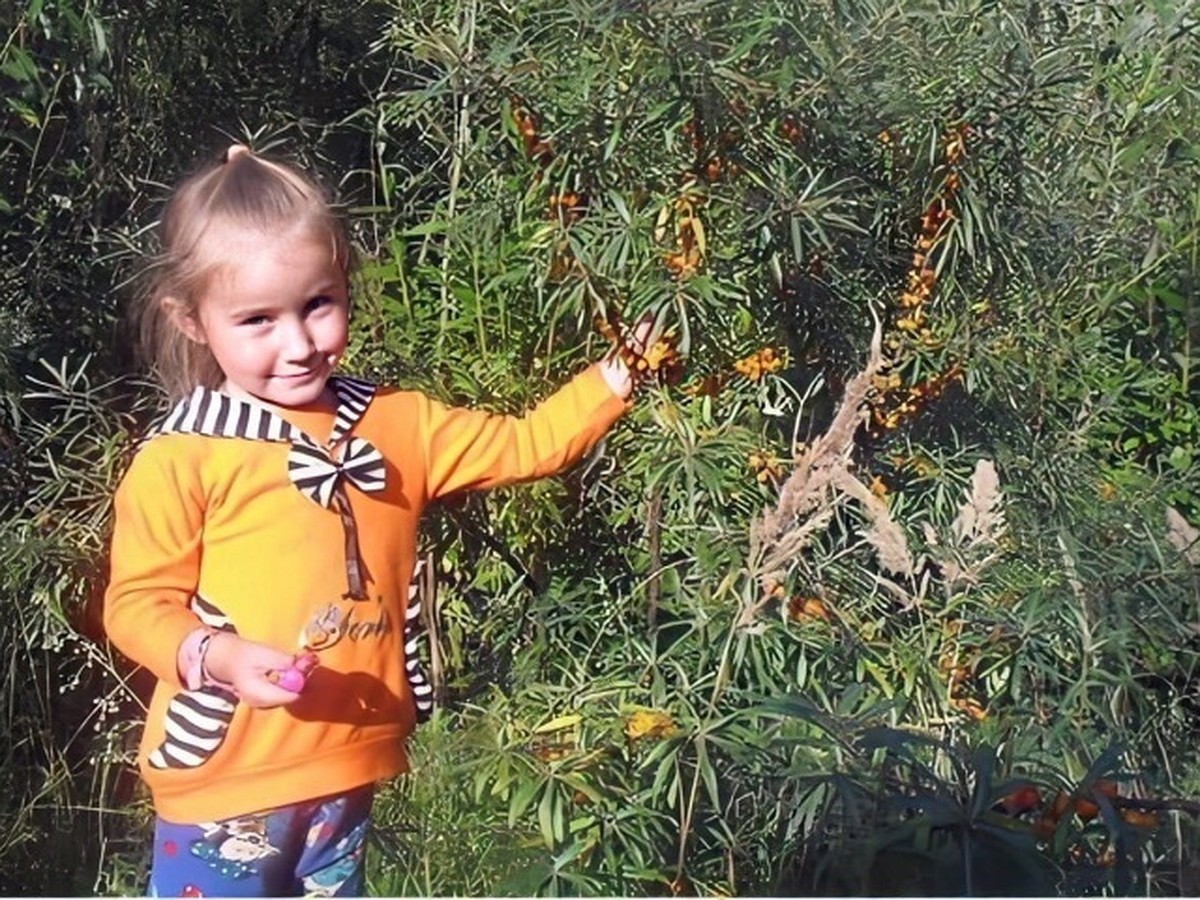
point(254, 320)
point(318, 302)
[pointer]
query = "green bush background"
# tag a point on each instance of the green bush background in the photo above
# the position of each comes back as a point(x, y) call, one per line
point(865, 749)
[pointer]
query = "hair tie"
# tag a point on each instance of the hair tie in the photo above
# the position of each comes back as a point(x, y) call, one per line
point(234, 151)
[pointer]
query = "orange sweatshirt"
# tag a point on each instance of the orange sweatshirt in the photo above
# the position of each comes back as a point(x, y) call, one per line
point(209, 510)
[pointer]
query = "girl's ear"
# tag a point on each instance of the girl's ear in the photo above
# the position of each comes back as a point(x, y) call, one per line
point(183, 319)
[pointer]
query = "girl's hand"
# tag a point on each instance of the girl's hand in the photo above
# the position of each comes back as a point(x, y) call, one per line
point(614, 369)
point(253, 670)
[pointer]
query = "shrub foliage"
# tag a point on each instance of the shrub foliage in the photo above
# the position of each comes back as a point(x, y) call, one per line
point(887, 584)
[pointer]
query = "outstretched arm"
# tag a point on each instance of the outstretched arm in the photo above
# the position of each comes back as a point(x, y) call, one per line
point(470, 449)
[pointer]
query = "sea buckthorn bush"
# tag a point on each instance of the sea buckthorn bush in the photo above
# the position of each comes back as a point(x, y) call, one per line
point(888, 582)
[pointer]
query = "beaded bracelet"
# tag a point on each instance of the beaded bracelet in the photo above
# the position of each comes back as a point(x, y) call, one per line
point(197, 675)
point(202, 657)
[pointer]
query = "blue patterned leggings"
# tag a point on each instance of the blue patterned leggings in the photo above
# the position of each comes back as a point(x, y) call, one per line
point(315, 848)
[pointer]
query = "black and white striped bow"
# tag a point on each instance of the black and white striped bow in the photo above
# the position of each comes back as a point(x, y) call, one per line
point(316, 475)
point(322, 479)
point(315, 471)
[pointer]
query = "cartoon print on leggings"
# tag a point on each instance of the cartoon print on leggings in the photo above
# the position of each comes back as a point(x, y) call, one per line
point(196, 721)
point(349, 850)
point(232, 848)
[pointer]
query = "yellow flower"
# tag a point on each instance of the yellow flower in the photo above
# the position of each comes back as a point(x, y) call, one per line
point(649, 723)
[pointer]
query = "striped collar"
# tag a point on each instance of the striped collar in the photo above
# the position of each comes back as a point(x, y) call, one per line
point(215, 414)
point(318, 471)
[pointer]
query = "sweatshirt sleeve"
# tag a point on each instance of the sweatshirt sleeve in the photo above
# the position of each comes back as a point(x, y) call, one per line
point(470, 449)
point(155, 561)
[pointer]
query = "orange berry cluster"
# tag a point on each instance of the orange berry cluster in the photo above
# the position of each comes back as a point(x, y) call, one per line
point(548, 748)
point(893, 404)
point(807, 608)
point(759, 363)
point(958, 678)
point(917, 463)
point(684, 262)
point(563, 263)
point(686, 257)
point(765, 467)
point(652, 724)
point(720, 168)
point(536, 148)
point(922, 275)
point(1083, 803)
point(661, 361)
point(1044, 815)
point(661, 356)
point(714, 158)
point(791, 130)
point(567, 207)
point(889, 411)
point(753, 367)
point(800, 607)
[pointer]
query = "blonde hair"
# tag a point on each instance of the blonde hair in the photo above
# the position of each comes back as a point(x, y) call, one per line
point(241, 189)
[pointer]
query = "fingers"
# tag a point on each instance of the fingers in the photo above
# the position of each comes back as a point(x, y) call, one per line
point(290, 679)
point(631, 343)
point(293, 677)
point(639, 339)
point(264, 677)
point(271, 688)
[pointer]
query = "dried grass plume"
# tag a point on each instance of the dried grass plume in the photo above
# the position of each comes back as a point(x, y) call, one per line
point(820, 482)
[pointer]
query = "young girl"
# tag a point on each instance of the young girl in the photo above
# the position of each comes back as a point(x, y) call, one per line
point(266, 532)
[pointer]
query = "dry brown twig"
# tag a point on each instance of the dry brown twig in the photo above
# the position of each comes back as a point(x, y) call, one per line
point(820, 482)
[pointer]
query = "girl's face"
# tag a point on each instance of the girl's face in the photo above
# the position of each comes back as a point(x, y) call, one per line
point(275, 316)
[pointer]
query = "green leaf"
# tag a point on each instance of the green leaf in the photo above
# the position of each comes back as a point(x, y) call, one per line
point(522, 798)
point(18, 65)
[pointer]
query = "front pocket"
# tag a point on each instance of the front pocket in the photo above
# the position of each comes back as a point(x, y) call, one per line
point(196, 722)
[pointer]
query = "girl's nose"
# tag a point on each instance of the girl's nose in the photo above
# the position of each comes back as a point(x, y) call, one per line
point(298, 343)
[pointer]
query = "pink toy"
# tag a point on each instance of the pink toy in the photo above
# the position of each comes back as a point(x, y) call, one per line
point(290, 679)
point(293, 678)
